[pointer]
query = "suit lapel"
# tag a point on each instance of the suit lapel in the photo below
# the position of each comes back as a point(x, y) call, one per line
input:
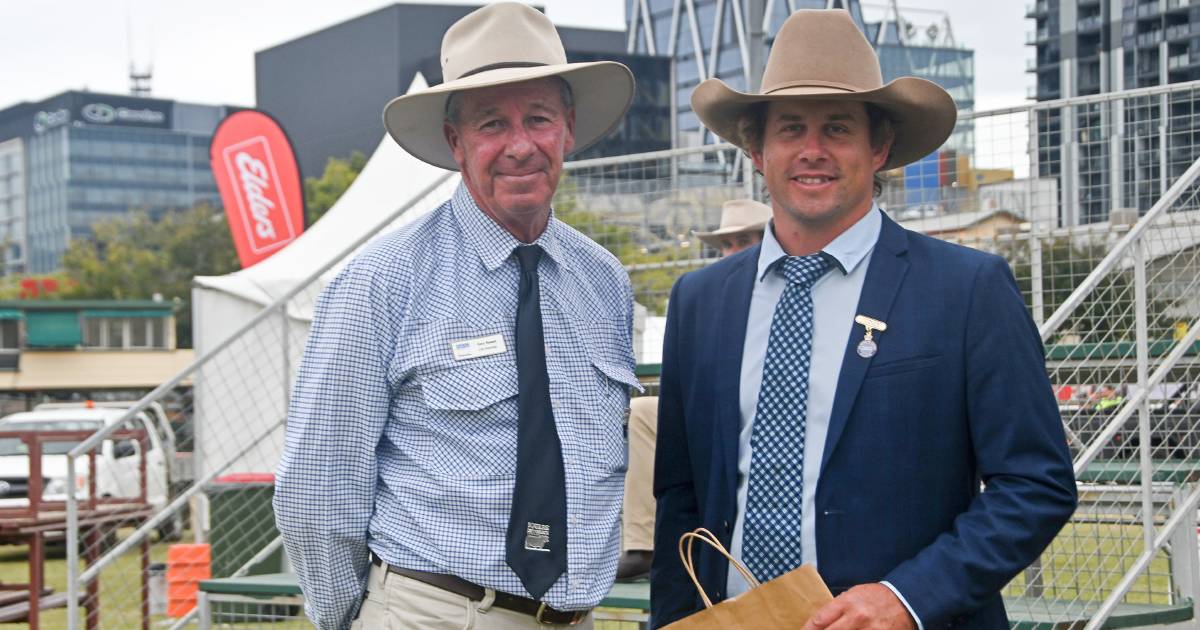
point(731, 337)
point(884, 276)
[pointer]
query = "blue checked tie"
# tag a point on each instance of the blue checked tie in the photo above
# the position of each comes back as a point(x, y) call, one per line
point(771, 537)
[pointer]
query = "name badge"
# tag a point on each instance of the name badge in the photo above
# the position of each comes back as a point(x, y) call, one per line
point(476, 348)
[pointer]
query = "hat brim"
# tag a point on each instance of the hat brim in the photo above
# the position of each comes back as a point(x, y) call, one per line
point(713, 238)
point(602, 91)
point(923, 114)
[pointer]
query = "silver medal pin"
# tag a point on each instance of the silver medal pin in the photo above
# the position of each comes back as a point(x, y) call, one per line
point(867, 347)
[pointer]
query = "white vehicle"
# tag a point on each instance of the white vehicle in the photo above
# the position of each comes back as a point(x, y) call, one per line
point(117, 461)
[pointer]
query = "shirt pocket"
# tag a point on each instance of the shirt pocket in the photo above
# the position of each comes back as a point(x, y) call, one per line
point(472, 420)
point(469, 387)
point(612, 383)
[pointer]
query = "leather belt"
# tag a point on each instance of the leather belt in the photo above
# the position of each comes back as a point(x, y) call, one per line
point(541, 613)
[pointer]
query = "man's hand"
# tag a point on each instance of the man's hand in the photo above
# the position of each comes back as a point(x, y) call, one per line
point(866, 607)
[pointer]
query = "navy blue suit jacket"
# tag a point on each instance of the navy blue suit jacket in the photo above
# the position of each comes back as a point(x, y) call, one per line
point(957, 394)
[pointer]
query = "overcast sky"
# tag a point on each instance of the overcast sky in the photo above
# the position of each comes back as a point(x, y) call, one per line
point(203, 50)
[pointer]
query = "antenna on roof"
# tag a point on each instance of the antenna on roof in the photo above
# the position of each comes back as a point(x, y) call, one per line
point(139, 78)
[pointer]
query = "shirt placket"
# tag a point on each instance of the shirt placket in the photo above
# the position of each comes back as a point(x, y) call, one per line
point(565, 413)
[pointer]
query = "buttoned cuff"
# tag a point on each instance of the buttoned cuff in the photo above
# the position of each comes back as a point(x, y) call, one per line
point(912, 614)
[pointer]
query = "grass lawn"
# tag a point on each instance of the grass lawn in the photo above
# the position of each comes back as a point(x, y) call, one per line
point(1087, 560)
point(120, 584)
point(1084, 563)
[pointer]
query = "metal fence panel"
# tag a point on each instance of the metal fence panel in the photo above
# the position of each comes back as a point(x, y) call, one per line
point(1052, 187)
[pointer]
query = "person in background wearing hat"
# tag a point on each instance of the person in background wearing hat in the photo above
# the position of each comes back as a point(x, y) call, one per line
point(455, 448)
point(741, 227)
point(853, 384)
point(742, 224)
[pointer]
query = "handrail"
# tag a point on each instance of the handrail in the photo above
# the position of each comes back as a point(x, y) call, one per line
point(1183, 510)
point(649, 155)
point(1132, 403)
point(280, 302)
point(72, 516)
point(147, 527)
point(1060, 315)
point(1156, 90)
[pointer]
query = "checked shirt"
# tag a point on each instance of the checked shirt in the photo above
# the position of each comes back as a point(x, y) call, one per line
point(396, 446)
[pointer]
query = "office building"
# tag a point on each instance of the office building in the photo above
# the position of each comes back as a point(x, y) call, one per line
point(710, 38)
point(77, 158)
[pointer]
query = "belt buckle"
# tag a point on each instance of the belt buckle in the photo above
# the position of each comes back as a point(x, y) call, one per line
point(577, 616)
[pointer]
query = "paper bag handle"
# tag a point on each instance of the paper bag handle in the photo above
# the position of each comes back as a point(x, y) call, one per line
point(685, 555)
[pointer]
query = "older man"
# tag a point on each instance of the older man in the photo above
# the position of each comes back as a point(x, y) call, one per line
point(455, 445)
point(856, 384)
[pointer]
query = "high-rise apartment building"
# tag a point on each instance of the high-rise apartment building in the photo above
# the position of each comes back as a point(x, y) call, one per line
point(1088, 47)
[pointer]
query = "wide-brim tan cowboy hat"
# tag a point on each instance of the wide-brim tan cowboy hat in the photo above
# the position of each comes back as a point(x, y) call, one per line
point(504, 43)
point(737, 216)
point(819, 54)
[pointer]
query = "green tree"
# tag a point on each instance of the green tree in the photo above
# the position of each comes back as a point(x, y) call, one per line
point(135, 257)
point(321, 193)
point(651, 277)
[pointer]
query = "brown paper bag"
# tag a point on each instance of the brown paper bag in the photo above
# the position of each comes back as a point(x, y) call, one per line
point(785, 602)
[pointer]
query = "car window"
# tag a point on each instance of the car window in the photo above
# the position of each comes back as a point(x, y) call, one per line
point(127, 447)
point(14, 446)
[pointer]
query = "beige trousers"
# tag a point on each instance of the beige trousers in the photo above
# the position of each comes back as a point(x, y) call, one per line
point(395, 602)
point(637, 524)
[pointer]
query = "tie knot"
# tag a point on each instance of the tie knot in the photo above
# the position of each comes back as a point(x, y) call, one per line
point(803, 271)
point(528, 256)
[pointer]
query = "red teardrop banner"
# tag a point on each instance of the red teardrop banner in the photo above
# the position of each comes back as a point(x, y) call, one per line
point(259, 182)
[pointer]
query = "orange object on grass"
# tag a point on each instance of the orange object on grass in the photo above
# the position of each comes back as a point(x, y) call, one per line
point(186, 566)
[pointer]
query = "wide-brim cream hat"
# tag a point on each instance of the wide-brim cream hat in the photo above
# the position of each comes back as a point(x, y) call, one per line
point(503, 43)
point(737, 215)
point(819, 54)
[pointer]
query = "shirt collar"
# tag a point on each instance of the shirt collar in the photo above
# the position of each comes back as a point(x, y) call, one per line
point(493, 243)
point(849, 249)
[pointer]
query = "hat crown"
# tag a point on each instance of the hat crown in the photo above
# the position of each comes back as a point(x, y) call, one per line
point(504, 34)
point(743, 214)
point(821, 48)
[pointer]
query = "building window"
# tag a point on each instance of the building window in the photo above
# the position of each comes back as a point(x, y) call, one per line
point(126, 333)
point(93, 333)
point(10, 331)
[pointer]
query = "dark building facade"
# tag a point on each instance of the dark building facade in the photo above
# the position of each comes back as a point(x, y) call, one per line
point(1088, 47)
point(79, 157)
point(328, 88)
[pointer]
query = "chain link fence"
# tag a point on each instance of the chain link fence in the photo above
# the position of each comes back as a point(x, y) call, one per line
point(1093, 203)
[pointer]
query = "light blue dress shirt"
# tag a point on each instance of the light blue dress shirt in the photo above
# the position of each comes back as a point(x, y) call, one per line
point(398, 444)
point(835, 298)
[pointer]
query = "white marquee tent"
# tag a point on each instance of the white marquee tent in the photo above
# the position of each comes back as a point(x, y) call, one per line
point(392, 179)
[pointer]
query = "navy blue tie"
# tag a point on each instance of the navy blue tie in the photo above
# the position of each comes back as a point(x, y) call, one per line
point(536, 544)
point(775, 490)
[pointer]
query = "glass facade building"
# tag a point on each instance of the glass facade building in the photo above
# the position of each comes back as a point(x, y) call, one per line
point(709, 38)
point(78, 158)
